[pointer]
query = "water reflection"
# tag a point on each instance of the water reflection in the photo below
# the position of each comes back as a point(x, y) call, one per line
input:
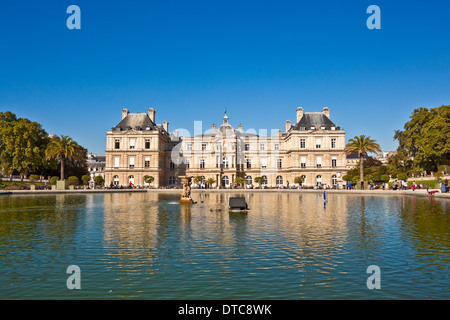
point(288, 246)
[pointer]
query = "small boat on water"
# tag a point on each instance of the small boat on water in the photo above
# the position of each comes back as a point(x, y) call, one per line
point(237, 204)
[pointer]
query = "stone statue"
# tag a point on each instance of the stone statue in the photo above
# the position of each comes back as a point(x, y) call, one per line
point(186, 193)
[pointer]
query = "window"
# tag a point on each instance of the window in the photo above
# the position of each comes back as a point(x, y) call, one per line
point(172, 180)
point(117, 144)
point(303, 143)
point(249, 163)
point(147, 162)
point(277, 147)
point(132, 163)
point(333, 143)
point(147, 143)
point(318, 143)
point(116, 162)
point(225, 163)
point(319, 162)
point(303, 162)
point(131, 179)
point(189, 146)
point(116, 180)
point(263, 163)
point(172, 164)
point(302, 128)
point(248, 180)
point(334, 180)
point(225, 181)
point(304, 179)
point(279, 181)
point(202, 163)
point(262, 146)
point(132, 143)
point(187, 163)
point(247, 147)
point(318, 180)
point(265, 181)
point(203, 147)
point(333, 162)
point(278, 163)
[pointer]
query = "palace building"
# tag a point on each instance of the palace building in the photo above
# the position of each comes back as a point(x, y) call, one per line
point(312, 148)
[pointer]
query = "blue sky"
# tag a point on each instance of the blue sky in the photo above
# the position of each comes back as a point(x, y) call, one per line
point(192, 59)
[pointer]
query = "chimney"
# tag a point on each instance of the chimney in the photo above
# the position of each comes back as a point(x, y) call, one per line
point(175, 134)
point(279, 133)
point(213, 128)
point(299, 114)
point(151, 114)
point(125, 112)
point(288, 125)
point(166, 126)
point(240, 127)
point(326, 111)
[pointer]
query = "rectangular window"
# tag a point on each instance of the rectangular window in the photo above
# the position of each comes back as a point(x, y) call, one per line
point(147, 162)
point(117, 144)
point(262, 147)
point(333, 143)
point(249, 163)
point(277, 147)
point(247, 147)
point(116, 162)
point(302, 143)
point(303, 162)
point(318, 143)
point(202, 164)
point(189, 146)
point(334, 162)
point(319, 162)
point(172, 164)
point(132, 163)
point(187, 163)
point(278, 163)
point(203, 147)
point(132, 143)
point(264, 163)
point(147, 143)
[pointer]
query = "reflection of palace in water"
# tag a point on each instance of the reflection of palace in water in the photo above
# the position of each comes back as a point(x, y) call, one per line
point(152, 224)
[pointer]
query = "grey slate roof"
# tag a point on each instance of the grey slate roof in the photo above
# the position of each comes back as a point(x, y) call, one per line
point(136, 121)
point(316, 120)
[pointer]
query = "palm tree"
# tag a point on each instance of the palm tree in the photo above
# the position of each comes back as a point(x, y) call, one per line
point(63, 148)
point(362, 145)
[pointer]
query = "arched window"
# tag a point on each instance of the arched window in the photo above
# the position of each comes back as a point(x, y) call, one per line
point(318, 180)
point(225, 181)
point(131, 179)
point(334, 180)
point(116, 180)
point(279, 181)
point(265, 181)
point(172, 181)
point(304, 179)
point(248, 180)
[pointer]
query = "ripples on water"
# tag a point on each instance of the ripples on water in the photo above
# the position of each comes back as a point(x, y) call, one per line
point(289, 246)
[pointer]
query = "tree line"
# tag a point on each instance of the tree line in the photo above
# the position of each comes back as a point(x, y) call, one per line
point(26, 149)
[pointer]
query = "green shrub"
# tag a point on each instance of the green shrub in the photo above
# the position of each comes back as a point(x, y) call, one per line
point(149, 179)
point(73, 181)
point(53, 180)
point(99, 180)
point(86, 178)
point(402, 176)
point(384, 178)
point(34, 178)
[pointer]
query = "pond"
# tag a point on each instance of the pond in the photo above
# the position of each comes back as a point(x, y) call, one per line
point(288, 246)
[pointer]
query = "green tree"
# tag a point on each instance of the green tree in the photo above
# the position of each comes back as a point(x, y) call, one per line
point(73, 180)
point(259, 180)
point(85, 179)
point(362, 145)
point(239, 180)
point(211, 181)
point(63, 147)
point(385, 178)
point(148, 179)
point(197, 179)
point(53, 180)
point(99, 180)
point(298, 180)
point(34, 178)
point(22, 145)
point(402, 176)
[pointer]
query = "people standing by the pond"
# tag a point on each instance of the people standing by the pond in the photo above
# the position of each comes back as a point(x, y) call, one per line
point(349, 186)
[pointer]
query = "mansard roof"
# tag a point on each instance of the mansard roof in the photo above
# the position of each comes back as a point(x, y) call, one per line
point(136, 121)
point(318, 120)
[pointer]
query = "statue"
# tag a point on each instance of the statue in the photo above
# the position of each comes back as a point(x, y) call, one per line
point(186, 193)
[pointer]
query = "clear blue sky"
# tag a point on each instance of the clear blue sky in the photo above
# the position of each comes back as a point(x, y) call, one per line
point(192, 59)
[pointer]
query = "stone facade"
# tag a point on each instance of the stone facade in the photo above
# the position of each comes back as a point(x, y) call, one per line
point(312, 148)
